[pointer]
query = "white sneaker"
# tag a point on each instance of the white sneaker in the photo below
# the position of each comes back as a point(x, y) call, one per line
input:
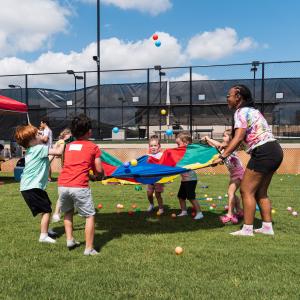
point(47, 239)
point(55, 218)
point(72, 244)
point(90, 252)
point(242, 233)
point(150, 208)
point(264, 231)
point(199, 216)
point(182, 214)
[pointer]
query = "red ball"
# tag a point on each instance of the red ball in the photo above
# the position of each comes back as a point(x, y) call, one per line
point(100, 205)
point(193, 214)
point(155, 37)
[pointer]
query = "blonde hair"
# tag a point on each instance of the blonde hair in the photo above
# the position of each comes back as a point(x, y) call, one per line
point(228, 132)
point(154, 138)
point(185, 137)
point(24, 134)
point(63, 133)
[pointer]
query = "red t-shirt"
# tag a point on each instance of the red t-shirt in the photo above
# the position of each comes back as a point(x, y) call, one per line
point(79, 159)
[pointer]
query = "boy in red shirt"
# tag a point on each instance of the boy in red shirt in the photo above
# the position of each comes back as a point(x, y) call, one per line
point(80, 157)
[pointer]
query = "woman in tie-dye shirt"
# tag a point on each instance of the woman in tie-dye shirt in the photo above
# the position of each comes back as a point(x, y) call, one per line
point(252, 129)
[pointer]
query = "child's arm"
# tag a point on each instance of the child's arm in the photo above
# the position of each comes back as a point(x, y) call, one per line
point(99, 174)
point(57, 151)
point(212, 142)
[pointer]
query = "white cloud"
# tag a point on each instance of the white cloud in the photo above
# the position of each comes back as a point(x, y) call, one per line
point(120, 54)
point(186, 77)
point(217, 44)
point(153, 7)
point(26, 26)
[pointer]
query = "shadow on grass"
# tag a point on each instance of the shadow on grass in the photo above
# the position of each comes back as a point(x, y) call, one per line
point(116, 224)
point(7, 180)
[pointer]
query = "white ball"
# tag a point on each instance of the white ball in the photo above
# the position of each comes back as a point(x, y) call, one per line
point(294, 213)
point(289, 209)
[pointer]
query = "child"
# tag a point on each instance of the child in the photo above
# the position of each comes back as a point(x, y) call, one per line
point(236, 172)
point(157, 188)
point(35, 175)
point(188, 182)
point(80, 157)
point(63, 136)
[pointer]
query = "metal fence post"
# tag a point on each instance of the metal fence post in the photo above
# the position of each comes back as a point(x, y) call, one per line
point(263, 88)
point(191, 101)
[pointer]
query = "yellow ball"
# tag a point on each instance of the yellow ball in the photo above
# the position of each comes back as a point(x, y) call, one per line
point(178, 250)
point(163, 112)
point(133, 162)
point(273, 211)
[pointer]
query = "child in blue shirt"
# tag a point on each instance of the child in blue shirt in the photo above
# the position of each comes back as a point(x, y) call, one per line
point(35, 175)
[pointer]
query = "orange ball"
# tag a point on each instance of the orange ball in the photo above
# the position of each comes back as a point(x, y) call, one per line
point(173, 216)
point(178, 250)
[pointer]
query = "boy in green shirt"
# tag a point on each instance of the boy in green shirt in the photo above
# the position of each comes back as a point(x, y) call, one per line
point(35, 175)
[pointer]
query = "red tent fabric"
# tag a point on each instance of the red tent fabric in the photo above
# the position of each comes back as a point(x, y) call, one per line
point(11, 105)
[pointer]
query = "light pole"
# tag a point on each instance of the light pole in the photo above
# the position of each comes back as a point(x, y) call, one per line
point(96, 58)
point(122, 110)
point(76, 77)
point(255, 64)
point(15, 86)
point(160, 73)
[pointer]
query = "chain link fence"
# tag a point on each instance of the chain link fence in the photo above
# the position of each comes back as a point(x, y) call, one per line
point(193, 97)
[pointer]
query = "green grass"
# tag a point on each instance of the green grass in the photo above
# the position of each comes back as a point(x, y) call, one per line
point(137, 258)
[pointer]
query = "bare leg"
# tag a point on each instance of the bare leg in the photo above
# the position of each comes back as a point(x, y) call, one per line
point(45, 222)
point(262, 199)
point(68, 222)
point(249, 186)
point(196, 205)
point(182, 204)
point(89, 232)
point(159, 200)
point(232, 188)
point(150, 197)
point(57, 207)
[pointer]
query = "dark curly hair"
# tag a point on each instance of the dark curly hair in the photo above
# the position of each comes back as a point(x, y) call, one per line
point(80, 125)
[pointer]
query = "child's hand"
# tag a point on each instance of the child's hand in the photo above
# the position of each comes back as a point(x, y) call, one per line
point(204, 139)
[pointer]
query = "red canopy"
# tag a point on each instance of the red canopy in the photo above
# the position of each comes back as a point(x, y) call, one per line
point(11, 105)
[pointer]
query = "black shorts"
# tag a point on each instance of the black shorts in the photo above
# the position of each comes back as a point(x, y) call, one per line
point(37, 200)
point(266, 158)
point(187, 190)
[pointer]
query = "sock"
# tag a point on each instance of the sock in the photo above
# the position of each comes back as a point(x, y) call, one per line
point(43, 235)
point(267, 226)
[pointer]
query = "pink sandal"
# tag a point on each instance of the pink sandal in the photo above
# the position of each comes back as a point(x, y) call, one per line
point(226, 219)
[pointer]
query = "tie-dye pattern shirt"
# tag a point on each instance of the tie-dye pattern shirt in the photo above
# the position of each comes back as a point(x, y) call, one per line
point(258, 132)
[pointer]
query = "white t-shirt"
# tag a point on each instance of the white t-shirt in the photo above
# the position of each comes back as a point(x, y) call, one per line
point(48, 132)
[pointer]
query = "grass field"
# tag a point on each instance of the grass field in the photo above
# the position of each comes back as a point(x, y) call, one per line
point(137, 258)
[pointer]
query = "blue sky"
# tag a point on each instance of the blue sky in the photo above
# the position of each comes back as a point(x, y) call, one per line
point(59, 35)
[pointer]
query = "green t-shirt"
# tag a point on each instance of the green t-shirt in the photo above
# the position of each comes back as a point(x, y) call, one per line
point(36, 171)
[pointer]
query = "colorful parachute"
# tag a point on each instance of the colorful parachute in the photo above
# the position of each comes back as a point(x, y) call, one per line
point(150, 170)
